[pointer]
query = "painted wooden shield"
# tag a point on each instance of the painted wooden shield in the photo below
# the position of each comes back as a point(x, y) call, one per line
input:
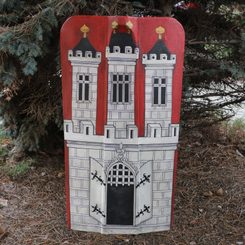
point(122, 82)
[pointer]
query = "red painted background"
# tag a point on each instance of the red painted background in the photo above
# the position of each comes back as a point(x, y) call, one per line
point(145, 37)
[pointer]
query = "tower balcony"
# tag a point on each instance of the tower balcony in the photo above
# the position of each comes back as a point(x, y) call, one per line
point(163, 59)
point(84, 57)
point(127, 54)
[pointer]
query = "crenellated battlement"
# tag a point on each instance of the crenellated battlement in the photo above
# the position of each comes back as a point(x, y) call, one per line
point(87, 130)
point(78, 55)
point(125, 53)
point(148, 59)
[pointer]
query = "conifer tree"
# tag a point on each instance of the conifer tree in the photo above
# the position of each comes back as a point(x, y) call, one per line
point(30, 74)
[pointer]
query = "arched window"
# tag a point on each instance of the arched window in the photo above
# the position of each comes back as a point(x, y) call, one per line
point(120, 174)
point(120, 195)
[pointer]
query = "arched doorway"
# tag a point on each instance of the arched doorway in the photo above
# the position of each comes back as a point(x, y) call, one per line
point(120, 195)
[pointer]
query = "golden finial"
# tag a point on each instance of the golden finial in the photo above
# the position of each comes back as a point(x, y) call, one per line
point(84, 29)
point(160, 30)
point(114, 25)
point(129, 24)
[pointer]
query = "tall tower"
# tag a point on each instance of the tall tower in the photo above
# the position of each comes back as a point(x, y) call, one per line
point(159, 65)
point(85, 61)
point(122, 54)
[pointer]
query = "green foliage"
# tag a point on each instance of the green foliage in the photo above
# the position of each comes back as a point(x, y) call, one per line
point(219, 51)
point(236, 127)
point(8, 5)
point(234, 130)
point(238, 123)
point(3, 151)
point(25, 46)
point(214, 62)
point(18, 170)
point(232, 13)
point(7, 73)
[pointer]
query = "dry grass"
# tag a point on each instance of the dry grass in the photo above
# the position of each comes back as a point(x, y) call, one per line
point(204, 215)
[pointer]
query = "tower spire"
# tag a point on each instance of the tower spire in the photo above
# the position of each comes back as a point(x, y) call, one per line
point(114, 26)
point(160, 30)
point(129, 25)
point(84, 29)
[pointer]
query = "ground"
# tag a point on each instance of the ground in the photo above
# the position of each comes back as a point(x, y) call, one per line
point(209, 200)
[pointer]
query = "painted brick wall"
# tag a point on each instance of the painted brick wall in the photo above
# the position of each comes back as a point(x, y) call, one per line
point(155, 114)
point(120, 114)
point(79, 185)
point(86, 111)
point(162, 185)
point(162, 174)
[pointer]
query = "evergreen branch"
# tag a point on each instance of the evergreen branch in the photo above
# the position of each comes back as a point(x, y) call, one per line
point(194, 42)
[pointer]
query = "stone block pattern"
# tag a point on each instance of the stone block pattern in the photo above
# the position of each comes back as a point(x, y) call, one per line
point(158, 114)
point(85, 110)
point(120, 114)
point(162, 174)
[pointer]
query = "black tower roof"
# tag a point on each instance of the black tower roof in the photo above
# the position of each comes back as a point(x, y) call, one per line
point(159, 48)
point(121, 39)
point(85, 45)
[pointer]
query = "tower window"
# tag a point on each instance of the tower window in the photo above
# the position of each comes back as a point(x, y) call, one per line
point(107, 133)
point(83, 87)
point(120, 88)
point(131, 134)
point(155, 133)
point(159, 91)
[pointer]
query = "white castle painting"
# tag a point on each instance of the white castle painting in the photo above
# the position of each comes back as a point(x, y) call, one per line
point(119, 182)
